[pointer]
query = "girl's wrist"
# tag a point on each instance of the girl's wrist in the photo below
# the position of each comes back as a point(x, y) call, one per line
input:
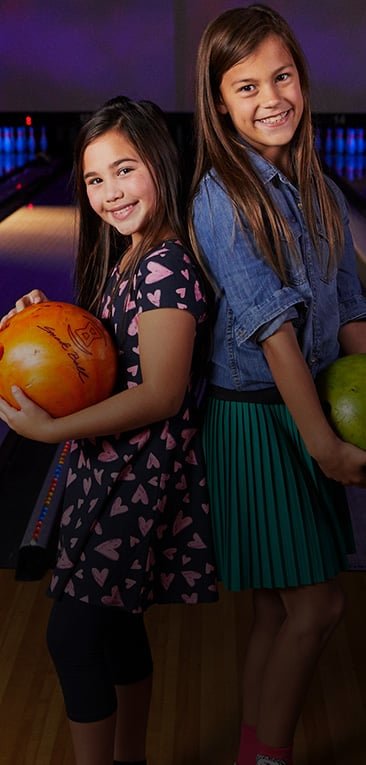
point(321, 447)
point(52, 431)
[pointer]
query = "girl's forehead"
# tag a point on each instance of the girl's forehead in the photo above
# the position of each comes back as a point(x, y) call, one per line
point(269, 46)
point(113, 138)
point(270, 53)
point(111, 145)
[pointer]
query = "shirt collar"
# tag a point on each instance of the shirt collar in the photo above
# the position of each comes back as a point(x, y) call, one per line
point(266, 169)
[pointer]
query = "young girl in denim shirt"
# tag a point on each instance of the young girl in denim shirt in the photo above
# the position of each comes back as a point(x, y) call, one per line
point(274, 235)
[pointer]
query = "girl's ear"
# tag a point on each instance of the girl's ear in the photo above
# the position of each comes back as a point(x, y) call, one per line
point(220, 106)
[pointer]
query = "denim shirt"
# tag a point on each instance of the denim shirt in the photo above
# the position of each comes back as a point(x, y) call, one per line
point(253, 302)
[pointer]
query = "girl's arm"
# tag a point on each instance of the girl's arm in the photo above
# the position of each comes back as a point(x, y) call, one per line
point(166, 340)
point(352, 337)
point(338, 460)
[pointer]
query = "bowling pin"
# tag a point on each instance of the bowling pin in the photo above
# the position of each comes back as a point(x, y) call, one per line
point(360, 166)
point(31, 141)
point(20, 142)
point(350, 167)
point(9, 162)
point(351, 141)
point(317, 139)
point(360, 140)
point(21, 158)
point(339, 163)
point(7, 140)
point(339, 140)
point(43, 141)
point(329, 140)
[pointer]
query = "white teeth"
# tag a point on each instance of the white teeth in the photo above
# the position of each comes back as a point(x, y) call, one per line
point(122, 212)
point(274, 120)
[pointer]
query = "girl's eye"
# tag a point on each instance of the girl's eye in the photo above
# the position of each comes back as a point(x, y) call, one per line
point(247, 88)
point(94, 181)
point(124, 170)
point(283, 76)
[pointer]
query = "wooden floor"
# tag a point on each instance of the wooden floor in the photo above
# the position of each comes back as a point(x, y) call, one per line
point(198, 653)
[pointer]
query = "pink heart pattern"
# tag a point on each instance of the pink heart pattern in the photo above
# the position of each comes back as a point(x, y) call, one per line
point(100, 576)
point(135, 527)
point(157, 273)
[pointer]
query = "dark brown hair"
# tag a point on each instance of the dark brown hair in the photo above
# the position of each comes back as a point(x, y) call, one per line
point(100, 246)
point(230, 38)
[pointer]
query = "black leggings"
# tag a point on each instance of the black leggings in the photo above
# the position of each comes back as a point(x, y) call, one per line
point(95, 648)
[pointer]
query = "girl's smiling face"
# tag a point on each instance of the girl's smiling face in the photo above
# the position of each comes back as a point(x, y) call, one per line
point(119, 185)
point(262, 95)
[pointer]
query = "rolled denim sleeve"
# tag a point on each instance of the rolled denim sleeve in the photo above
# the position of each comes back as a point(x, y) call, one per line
point(258, 299)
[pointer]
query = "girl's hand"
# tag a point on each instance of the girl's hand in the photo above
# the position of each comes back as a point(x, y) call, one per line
point(339, 460)
point(31, 298)
point(344, 463)
point(30, 420)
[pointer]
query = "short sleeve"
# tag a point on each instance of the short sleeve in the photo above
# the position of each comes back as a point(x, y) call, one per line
point(258, 299)
point(168, 278)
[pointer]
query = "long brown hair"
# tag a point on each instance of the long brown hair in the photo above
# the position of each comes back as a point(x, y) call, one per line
point(100, 246)
point(230, 38)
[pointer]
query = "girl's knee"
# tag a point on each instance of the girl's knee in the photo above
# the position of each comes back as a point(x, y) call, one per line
point(268, 609)
point(317, 611)
point(332, 610)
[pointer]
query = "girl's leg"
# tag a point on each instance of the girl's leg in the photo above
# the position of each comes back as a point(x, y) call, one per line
point(132, 719)
point(93, 742)
point(268, 615)
point(95, 650)
point(130, 666)
point(312, 613)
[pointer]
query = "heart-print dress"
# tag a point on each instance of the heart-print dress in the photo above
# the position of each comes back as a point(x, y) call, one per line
point(135, 528)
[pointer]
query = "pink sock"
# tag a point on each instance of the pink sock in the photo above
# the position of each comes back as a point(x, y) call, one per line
point(273, 755)
point(247, 746)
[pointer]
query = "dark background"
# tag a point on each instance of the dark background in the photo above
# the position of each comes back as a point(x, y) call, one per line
point(73, 55)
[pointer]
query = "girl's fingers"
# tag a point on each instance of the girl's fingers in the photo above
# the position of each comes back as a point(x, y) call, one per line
point(31, 298)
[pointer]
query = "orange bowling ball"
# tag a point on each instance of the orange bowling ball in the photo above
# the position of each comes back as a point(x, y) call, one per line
point(60, 355)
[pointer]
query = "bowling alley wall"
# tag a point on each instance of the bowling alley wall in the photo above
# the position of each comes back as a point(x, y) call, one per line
point(72, 55)
point(61, 60)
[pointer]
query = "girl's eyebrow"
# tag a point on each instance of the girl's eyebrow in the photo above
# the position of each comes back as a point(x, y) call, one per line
point(254, 79)
point(116, 162)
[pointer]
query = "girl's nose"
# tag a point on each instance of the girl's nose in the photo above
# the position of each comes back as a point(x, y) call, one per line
point(113, 191)
point(270, 96)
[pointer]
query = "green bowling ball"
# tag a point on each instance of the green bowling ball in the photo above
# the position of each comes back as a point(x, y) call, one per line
point(342, 392)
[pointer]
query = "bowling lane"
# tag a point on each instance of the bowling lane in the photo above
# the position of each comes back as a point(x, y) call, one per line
point(37, 249)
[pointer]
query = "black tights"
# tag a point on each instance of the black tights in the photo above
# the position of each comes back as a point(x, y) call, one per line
point(95, 648)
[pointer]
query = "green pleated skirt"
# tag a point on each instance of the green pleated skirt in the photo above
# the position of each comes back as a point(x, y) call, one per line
point(277, 520)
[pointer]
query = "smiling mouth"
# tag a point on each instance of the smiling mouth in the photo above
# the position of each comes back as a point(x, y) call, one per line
point(277, 119)
point(122, 212)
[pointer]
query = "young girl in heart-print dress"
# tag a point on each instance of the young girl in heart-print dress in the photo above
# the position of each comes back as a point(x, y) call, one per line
point(135, 527)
